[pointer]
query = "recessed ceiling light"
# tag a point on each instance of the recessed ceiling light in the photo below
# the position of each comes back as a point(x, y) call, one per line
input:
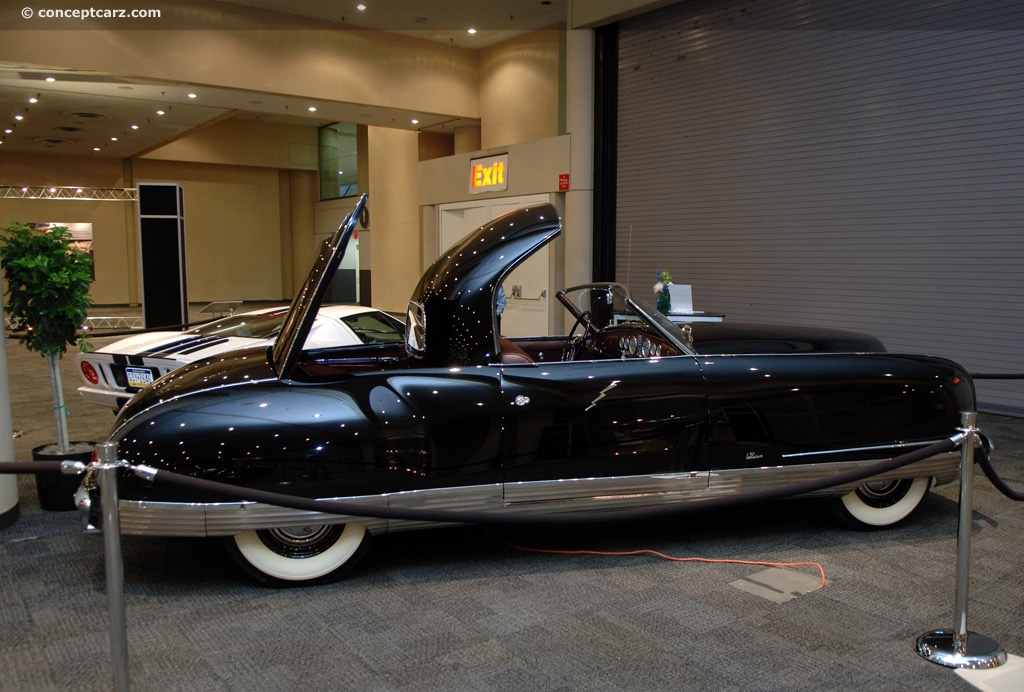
point(95, 148)
point(19, 117)
point(33, 100)
point(135, 127)
point(360, 7)
point(8, 131)
point(113, 139)
point(471, 30)
point(160, 112)
point(312, 109)
point(51, 79)
point(415, 121)
point(193, 96)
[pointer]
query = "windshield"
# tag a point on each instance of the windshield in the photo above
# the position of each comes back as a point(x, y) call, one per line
point(605, 305)
point(255, 326)
point(376, 328)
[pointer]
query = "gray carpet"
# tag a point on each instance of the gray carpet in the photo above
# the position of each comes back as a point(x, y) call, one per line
point(463, 609)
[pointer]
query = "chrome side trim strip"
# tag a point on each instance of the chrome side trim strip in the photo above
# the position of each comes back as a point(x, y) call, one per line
point(143, 518)
point(902, 447)
point(573, 495)
point(943, 468)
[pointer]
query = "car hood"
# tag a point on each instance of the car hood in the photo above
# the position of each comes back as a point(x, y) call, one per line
point(244, 368)
point(307, 302)
point(177, 346)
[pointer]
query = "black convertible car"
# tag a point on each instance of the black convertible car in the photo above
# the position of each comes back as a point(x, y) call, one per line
point(628, 410)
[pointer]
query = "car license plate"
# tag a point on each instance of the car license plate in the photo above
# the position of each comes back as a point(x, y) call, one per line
point(139, 377)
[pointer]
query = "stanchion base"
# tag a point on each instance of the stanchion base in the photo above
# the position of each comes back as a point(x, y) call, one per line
point(940, 647)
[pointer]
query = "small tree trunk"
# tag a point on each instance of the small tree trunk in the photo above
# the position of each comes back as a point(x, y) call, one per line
point(59, 411)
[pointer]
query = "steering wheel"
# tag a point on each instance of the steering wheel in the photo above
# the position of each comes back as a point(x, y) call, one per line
point(575, 344)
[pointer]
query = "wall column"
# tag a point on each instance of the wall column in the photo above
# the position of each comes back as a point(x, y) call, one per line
point(579, 121)
point(303, 194)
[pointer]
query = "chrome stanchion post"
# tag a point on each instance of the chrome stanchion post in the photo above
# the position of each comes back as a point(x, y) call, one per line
point(961, 648)
point(108, 466)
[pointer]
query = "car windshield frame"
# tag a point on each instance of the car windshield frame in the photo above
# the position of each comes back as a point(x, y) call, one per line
point(623, 308)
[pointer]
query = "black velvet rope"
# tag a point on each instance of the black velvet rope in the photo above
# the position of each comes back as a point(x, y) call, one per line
point(518, 518)
point(29, 466)
point(981, 456)
point(494, 518)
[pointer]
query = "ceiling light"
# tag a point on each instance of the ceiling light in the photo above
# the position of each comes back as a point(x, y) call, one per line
point(415, 121)
point(193, 96)
point(113, 139)
point(135, 127)
point(95, 148)
point(8, 131)
point(51, 79)
point(312, 109)
point(360, 7)
point(160, 112)
point(471, 30)
point(19, 117)
point(33, 100)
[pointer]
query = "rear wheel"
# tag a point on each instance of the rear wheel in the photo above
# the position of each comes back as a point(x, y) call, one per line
point(882, 503)
point(301, 555)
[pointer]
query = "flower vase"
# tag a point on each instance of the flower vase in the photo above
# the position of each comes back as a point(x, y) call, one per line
point(664, 301)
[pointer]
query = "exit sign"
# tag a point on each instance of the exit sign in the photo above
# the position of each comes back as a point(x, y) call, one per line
point(489, 174)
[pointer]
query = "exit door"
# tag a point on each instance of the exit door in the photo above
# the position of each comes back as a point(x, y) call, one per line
point(528, 288)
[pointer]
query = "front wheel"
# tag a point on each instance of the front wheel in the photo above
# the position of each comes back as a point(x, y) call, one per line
point(878, 504)
point(300, 555)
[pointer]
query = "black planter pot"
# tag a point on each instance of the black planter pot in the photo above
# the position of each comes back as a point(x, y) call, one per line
point(57, 490)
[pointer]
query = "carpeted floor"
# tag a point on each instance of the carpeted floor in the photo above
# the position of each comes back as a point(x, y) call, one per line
point(465, 609)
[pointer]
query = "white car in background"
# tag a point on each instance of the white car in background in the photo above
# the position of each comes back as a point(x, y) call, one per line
point(112, 374)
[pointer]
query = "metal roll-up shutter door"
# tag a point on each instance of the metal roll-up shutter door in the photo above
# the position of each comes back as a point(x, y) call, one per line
point(852, 164)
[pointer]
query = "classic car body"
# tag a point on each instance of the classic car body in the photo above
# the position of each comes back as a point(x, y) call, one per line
point(628, 410)
point(114, 373)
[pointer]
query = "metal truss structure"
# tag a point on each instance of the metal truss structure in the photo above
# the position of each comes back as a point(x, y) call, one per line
point(94, 194)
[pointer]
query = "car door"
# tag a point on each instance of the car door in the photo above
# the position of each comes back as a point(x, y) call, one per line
point(621, 430)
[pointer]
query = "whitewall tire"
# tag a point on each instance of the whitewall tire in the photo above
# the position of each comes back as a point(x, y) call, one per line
point(883, 503)
point(300, 555)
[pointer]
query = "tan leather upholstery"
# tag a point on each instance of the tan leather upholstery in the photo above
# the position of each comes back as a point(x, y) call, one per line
point(510, 353)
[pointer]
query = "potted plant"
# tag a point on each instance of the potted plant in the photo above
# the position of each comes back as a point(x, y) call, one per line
point(48, 282)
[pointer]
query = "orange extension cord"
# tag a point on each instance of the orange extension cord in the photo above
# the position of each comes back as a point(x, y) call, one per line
point(663, 556)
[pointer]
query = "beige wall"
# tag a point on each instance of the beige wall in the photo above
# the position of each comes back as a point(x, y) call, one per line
point(239, 220)
point(533, 168)
point(394, 217)
point(232, 228)
point(520, 94)
point(113, 223)
point(247, 208)
point(592, 13)
point(246, 142)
